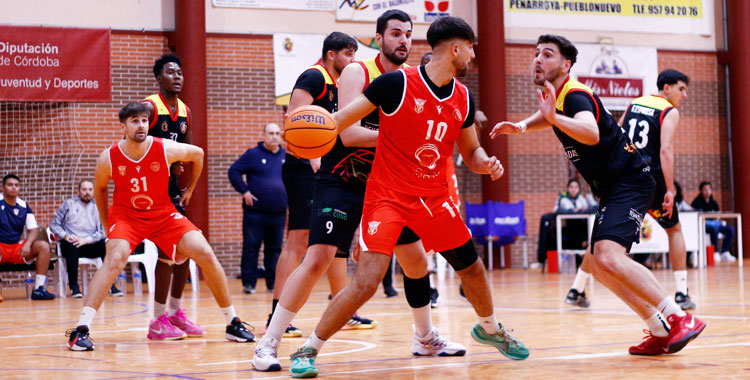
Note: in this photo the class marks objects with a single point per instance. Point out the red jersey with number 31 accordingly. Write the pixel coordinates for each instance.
(416, 140)
(141, 185)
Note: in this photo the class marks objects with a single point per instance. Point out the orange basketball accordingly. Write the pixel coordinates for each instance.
(310, 131)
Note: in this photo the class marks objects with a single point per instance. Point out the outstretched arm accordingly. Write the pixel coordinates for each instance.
(102, 175)
(535, 122)
(187, 153)
(354, 111)
(475, 156)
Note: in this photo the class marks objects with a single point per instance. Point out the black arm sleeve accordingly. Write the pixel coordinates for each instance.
(578, 101)
(386, 91)
(311, 81)
(472, 110)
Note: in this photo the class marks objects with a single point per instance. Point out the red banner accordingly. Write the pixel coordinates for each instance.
(55, 64)
(606, 87)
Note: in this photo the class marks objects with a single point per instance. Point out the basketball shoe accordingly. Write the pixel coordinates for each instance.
(434, 344)
(41, 293)
(238, 332)
(162, 329)
(504, 342)
(180, 321)
(683, 330)
(577, 299)
(683, 300)
(303, 362)
(651, 345)
(265, 355)
(78, 339)
(359, 323)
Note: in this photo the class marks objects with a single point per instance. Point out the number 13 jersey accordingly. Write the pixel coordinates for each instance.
(141, 185)
(417, 134)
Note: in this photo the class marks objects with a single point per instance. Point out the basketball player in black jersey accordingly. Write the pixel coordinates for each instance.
(650, 122)
(169, 118)
(317, 85)
(618, 175)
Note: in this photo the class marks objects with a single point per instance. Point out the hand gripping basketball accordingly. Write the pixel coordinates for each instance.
(310, 131)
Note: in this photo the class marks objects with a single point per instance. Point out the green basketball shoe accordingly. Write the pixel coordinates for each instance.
(303, 362)
(506, 344)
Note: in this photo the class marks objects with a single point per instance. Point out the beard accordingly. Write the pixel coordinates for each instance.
(460, 71)
(550, 76)
(391, 55)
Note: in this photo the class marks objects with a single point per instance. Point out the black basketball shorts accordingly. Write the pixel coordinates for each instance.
(299, 182)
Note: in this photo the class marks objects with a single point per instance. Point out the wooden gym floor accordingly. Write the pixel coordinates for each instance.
(565, 342)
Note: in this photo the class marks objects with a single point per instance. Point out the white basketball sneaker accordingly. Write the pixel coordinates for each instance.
(434, 344)
(265, 355)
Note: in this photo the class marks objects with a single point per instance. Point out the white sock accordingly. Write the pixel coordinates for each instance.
(657, 325)
(314, 342)
(87, 316)
(422, 320)
(40, 280)
(159, 309)
(173, 305)
(667, 306)
(680, 281)
(279, 322)
(582, 278)
(229, 313)
(489, 323)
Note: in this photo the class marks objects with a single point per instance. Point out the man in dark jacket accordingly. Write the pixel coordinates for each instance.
(264, 205)
(705, 202)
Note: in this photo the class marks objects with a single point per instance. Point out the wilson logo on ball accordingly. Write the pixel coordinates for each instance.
(315, 119)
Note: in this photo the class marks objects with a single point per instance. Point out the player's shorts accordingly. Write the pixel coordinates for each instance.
(336, 212)
(622, 208)
(299, 182)
(165, 230)
(11, 253)
(656, 210)
(386, 212)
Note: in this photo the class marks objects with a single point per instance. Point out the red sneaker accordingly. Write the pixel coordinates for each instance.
(683, 330)
(652, 345)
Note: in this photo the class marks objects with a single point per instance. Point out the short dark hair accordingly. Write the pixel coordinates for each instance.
(338, 41)
(130, 110)
(9, 176)
(84, 180)
(704, 183)
(166, 58)
(670, 76)
(573, 180)
(447, 28)
(393, 14)
(567, 49)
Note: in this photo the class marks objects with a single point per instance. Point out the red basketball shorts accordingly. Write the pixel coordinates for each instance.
(435, 219)
(11, 253)
(165, 229)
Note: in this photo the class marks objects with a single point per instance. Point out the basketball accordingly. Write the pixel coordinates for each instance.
(310, 132)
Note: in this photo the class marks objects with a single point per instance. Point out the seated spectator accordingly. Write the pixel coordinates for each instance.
(679, 199)
(576, 235)
(705, 202)
(15, 214)
(76, 223)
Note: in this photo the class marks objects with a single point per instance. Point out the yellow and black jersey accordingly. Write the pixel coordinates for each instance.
(317, 82)
(165, 124)
(613, 156)
(642, 123)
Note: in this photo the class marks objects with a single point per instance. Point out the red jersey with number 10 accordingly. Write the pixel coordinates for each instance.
(416, 140)
(141, 185)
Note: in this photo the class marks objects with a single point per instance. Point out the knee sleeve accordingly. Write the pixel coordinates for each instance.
(417, 291)
(462, 257)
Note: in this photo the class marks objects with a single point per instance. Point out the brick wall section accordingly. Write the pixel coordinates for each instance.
(240, 98)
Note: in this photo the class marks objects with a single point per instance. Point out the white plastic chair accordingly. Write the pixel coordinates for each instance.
(148, 258)
(62, 268)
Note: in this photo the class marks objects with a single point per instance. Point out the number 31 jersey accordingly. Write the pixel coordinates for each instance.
(418, 137)
(141, 186)
(642, 124)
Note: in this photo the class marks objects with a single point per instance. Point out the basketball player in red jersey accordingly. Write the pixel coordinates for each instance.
(430, 112)
(141, 209)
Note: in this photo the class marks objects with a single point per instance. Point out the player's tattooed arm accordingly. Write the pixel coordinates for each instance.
(475, 157)
(186, 153)
(102, 174)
